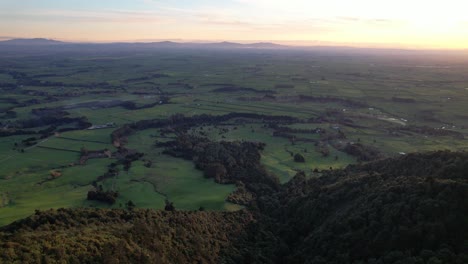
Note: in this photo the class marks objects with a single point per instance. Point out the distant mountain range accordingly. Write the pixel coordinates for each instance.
(31, 45)
(32, 42)
(162, 44)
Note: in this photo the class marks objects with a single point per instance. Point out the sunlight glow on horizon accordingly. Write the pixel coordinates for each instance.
(399, 23)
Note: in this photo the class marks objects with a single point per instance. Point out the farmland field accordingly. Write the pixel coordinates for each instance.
(313, 110)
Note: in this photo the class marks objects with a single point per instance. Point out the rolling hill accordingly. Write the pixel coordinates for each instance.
(411, 209)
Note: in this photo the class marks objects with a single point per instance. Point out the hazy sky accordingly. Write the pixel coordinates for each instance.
(399, 23)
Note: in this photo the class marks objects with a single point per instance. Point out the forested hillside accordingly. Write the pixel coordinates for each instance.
(411, 209)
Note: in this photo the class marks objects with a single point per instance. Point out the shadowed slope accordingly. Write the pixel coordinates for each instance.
(411, 209)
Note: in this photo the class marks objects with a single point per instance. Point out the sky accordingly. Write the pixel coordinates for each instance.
(367, 23)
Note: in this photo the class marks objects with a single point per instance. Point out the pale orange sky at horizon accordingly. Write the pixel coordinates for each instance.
(362, 23)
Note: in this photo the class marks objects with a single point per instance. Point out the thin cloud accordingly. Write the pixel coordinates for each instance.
(376, 21)
(331, 20)
(84, 16)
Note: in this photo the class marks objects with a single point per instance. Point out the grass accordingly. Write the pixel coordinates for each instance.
(176, 179)
(25, 179)
(374, 79)
(73, 145)
(42, 199)
(99, 135)
(276, 156)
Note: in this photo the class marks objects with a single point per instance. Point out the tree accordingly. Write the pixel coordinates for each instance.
(169, 206)
(130, 205)
(84, 151)
(299, 158)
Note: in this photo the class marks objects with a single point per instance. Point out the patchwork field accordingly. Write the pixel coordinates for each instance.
(313, 110)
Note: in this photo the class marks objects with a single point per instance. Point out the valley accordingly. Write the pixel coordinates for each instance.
(73, 122)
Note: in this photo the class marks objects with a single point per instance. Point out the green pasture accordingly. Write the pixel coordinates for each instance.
(277, 154)
(174, 179)
(6, 78)
(98, 135)
(440, 97)
(73, 145)
(24, 204)
(25, 177)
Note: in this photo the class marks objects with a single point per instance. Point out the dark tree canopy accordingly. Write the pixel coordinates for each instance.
(411, 209)
(299, 158)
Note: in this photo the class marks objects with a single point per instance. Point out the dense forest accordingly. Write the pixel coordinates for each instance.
(410, 209)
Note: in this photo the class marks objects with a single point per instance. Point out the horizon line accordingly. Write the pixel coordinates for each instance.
(285, 43)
